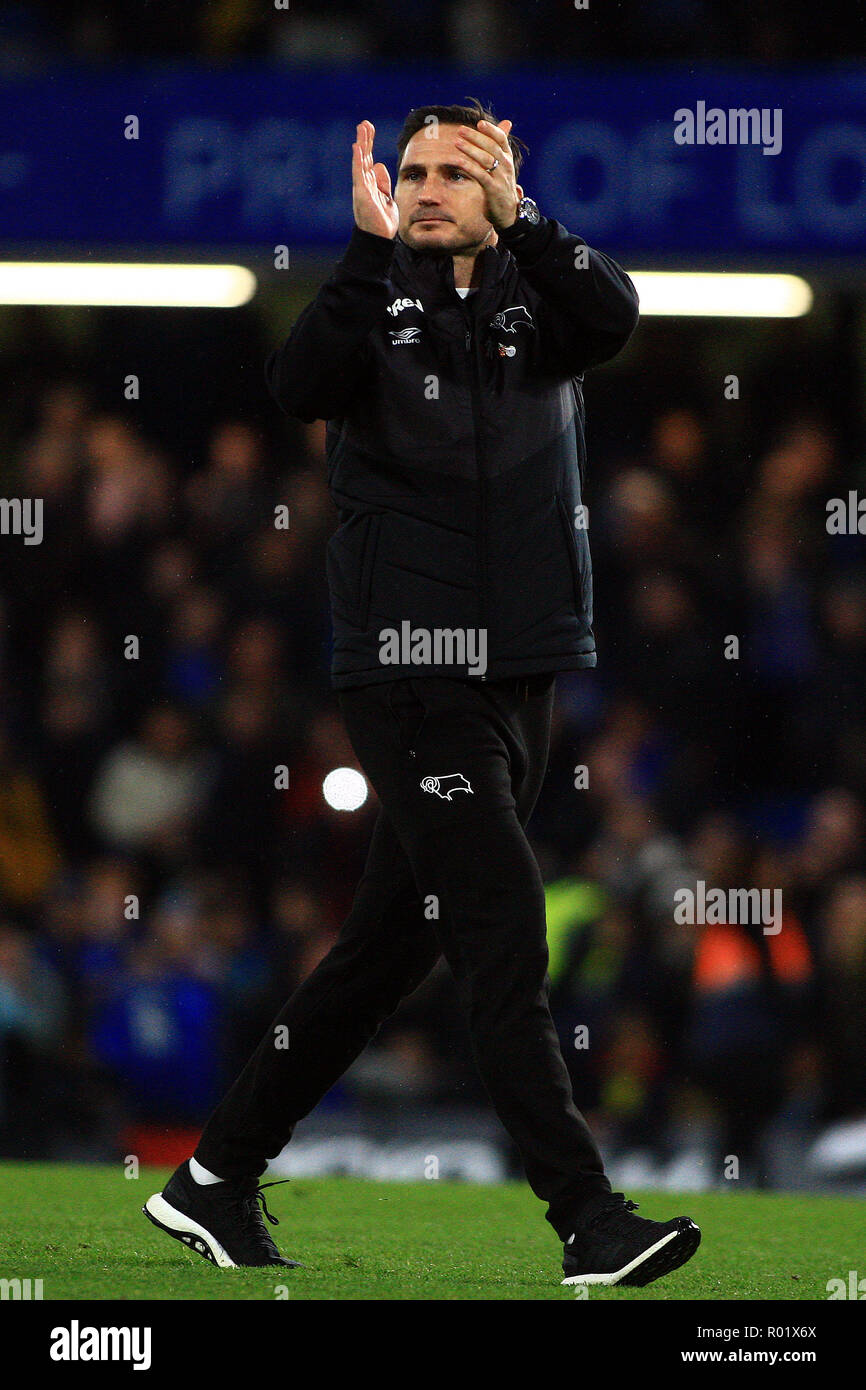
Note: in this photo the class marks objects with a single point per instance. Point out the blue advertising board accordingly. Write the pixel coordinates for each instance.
(658, 161)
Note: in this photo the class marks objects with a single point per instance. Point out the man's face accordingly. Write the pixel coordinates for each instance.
(441, 207)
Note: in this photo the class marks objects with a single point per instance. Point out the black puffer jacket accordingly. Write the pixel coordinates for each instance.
(456, 451)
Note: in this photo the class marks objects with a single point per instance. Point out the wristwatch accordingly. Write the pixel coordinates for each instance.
(527, 216)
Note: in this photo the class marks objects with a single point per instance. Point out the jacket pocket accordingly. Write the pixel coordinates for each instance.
(577, 569)
(367, 568)
(409, 710)
(351, 559)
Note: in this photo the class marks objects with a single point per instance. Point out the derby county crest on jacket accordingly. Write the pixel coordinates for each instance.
(509, 320)
(444, 787)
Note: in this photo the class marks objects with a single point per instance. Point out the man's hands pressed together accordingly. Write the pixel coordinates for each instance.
(456, 187)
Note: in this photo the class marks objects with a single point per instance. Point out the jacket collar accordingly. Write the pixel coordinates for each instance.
(430, 274)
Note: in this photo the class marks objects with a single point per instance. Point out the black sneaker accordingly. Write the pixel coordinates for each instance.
(612, 1246)
(221, 1221)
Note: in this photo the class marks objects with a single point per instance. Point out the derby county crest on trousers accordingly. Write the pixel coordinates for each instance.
(444, 787)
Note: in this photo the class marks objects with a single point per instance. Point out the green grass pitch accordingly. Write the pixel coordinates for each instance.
(80, 1230)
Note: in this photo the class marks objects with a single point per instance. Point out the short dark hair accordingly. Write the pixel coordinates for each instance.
(469, 115)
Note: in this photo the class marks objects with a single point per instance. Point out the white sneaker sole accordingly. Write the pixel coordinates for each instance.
(626, 1269)
(183, 1228)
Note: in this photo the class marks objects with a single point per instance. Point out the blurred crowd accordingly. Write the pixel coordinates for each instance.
(164, 652)
(474, 32)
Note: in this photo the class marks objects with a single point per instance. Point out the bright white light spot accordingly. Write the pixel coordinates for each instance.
(117, 282)
(345, 789)
(722, 295)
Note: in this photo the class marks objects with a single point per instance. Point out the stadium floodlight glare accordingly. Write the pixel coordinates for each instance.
(721, 295)
(344, 789)
(116, 283)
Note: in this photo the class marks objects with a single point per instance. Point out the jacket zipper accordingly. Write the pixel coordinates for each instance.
(477, 424)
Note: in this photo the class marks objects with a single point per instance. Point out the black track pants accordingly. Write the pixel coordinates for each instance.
(457, 766)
